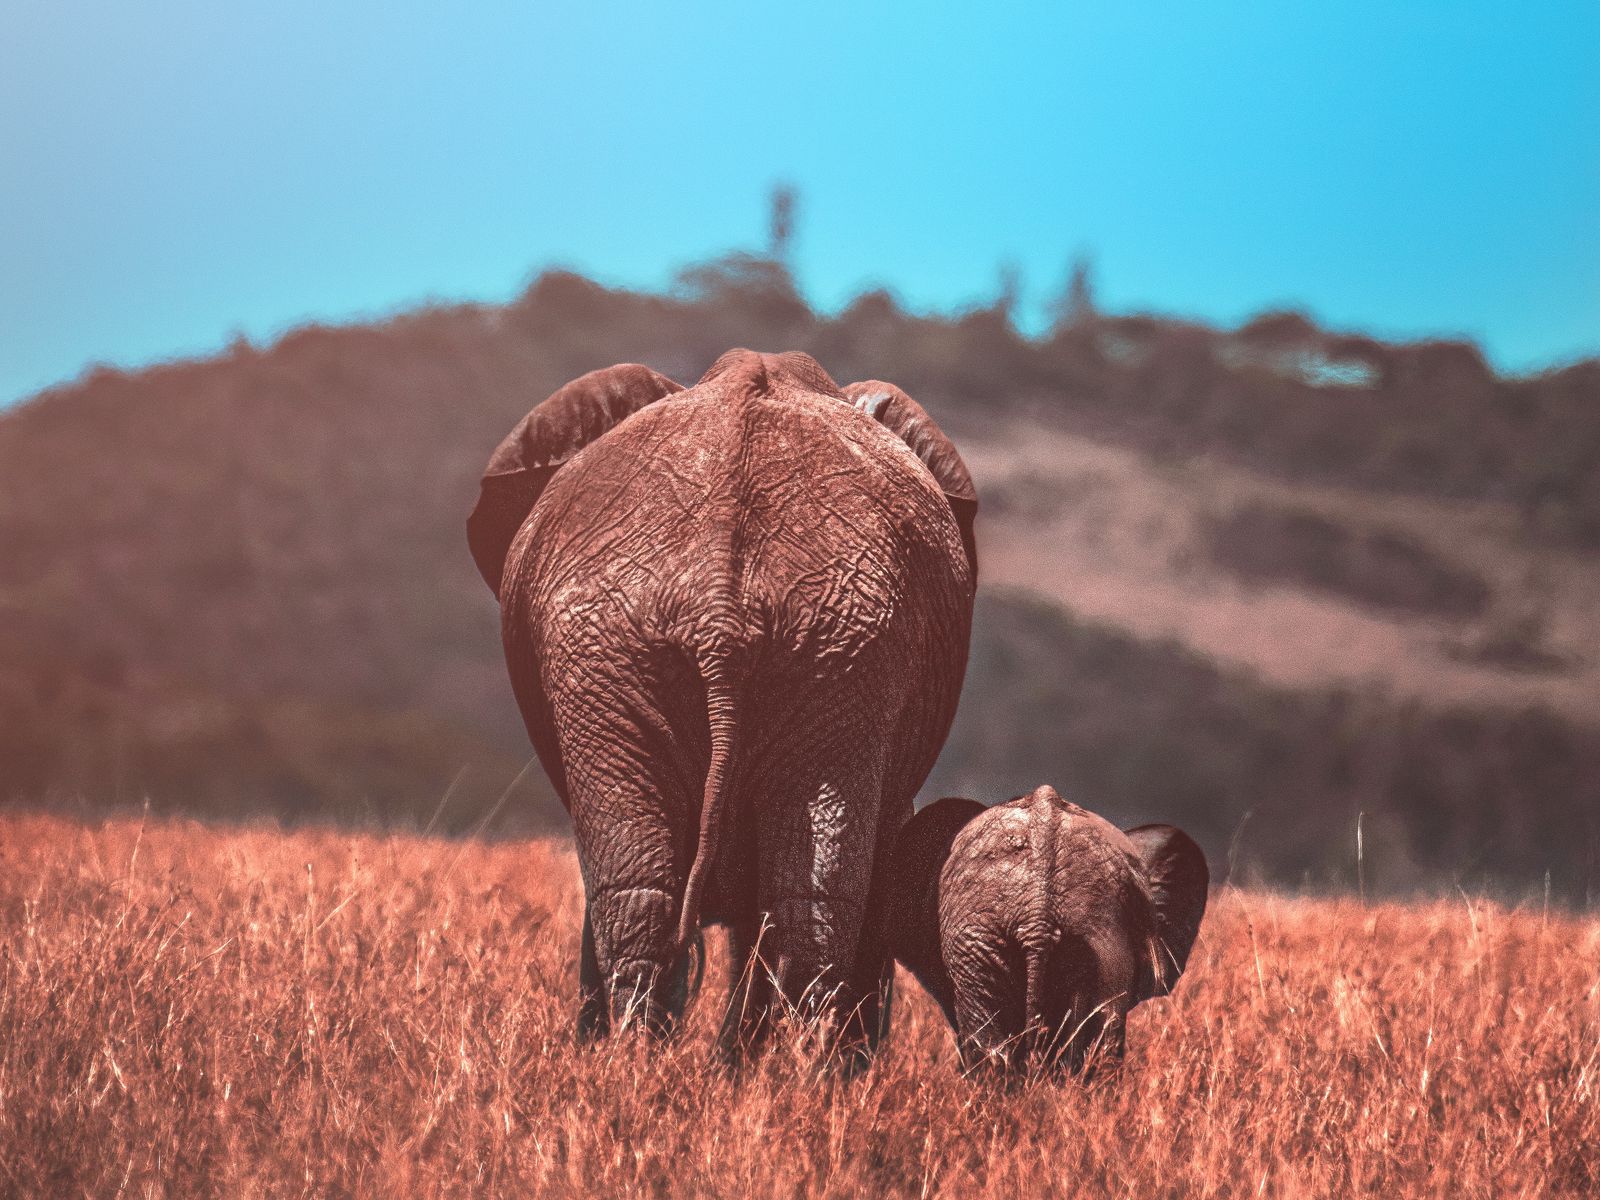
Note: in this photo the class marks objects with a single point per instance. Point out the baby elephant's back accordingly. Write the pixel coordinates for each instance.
(1038, 868)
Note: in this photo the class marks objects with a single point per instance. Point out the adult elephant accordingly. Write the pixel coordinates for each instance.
(736, 621)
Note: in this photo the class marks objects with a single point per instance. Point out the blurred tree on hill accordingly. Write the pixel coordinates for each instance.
(785, 200)
(1075, 308)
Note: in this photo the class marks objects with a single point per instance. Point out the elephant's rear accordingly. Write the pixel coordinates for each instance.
(795, 553)
(850, 680)
(1054, 894)
(769, 589)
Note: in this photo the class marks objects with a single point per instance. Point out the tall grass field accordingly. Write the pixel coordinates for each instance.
(193, 1011)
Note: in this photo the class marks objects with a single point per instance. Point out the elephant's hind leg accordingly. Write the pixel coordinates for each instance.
(632, 973)
(816, 872)
(594, 1011)
(631, 787)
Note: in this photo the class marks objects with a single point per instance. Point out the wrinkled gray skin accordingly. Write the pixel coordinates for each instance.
(1037, 925)
(736, 621)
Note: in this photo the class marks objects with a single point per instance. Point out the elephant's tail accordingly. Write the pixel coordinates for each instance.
(1033, 1025)
(1041, 935)
(720, 717)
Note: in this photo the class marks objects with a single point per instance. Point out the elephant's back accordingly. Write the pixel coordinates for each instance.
(1033, 859)
(811, 519)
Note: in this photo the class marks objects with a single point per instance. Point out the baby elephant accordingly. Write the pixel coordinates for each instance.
(1037, 925)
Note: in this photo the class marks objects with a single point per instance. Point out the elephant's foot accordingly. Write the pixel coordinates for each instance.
(594, 1023)
(1081, 1050)
(594, 1019)
(866, 1024)
(1093, 1048)
(647, 996)
(798, 968)
(747, 1022)
(831, 1019)
(632, 974)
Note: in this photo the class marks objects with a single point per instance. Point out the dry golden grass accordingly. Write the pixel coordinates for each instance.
(186, 1011)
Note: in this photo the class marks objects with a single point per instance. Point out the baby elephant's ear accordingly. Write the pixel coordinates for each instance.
(930, 830)
(1179, 880)
(920, 851)
(547, 437)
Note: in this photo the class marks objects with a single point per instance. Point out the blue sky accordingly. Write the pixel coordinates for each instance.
(172, 173)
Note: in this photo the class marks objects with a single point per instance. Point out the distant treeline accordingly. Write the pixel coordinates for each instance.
(1279, 393)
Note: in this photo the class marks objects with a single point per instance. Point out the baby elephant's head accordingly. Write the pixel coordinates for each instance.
(1038, 925)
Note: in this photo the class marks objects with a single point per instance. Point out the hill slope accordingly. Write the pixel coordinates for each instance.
(1364, 555)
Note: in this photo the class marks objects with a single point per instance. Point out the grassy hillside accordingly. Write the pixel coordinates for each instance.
(1273, 779)
(241, 586)
(191, 1012)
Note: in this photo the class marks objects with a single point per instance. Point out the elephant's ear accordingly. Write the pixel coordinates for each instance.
(543, 440)
(929, 832)
(1179, 880)
(910, 422)
(909, 914)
